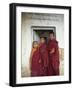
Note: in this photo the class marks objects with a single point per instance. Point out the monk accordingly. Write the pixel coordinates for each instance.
(36, 62)
(44, 55)
(53, 53)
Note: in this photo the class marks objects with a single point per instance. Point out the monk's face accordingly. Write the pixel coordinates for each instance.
(51, 36)
(42, 40)
(35, 45)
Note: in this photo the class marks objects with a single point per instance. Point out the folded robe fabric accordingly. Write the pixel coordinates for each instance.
(53, 67)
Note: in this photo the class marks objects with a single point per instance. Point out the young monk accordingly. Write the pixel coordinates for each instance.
(53, 53)
(44, 55)
(36, 62)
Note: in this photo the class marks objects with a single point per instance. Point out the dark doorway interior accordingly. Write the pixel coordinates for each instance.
(42, 33)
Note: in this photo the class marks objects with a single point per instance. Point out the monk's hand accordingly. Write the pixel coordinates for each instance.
(40, 61)
(52, 51)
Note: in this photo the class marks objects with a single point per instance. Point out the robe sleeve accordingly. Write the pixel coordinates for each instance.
(56, 57)
(46, 61)
(45, 57)
(57, 51)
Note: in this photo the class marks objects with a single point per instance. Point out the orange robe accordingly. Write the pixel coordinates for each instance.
(53, 52)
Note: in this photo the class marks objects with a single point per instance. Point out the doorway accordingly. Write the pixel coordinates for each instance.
(42, 32)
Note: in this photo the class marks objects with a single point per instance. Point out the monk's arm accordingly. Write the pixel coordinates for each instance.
(54, 49)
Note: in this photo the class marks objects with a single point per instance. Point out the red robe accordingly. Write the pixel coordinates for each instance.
(36, 63)
(44, 57)
(53, 68)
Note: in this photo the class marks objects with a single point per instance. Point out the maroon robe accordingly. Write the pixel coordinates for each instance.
(44, 57)
(36, 64)
(53, 68)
